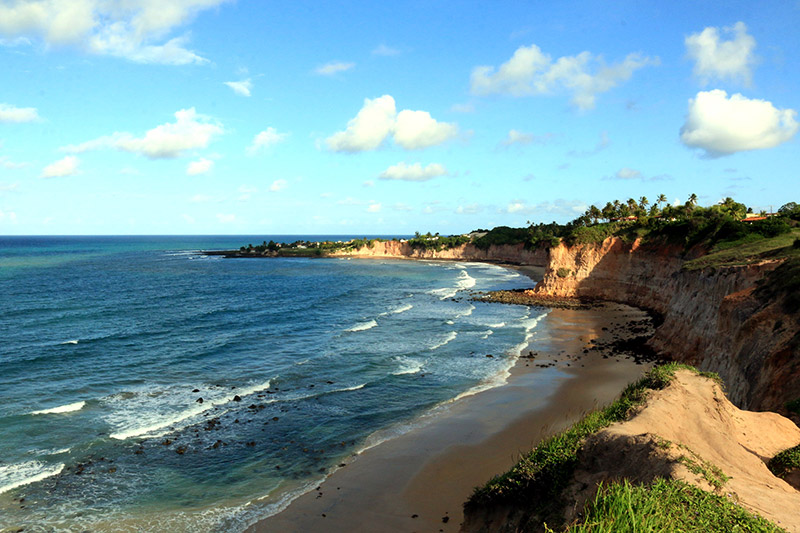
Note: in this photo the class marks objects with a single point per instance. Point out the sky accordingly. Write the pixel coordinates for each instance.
(255, 117)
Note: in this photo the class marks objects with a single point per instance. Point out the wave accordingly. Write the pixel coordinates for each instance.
(486, 334)
(495, 326)
(468, 312)
(444, 293)
(450, 337)
(528, 325)
(407, 366)
(69, 342)
(69, 408)
(465, 281)
(170, 419)
(19, 474)
(401, 309)
(363, 326)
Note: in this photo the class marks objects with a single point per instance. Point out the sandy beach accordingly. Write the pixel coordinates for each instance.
(420, 480)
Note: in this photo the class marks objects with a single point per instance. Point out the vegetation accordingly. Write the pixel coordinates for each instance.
(437, 242)
(665, 505)
(785, 461)
(540, 476)
(563, 272)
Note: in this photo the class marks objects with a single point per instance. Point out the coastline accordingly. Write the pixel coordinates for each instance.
(420, 479)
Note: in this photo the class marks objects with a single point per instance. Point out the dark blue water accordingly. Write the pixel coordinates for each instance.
(108, 345)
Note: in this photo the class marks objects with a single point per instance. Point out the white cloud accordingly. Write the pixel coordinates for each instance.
(349, 201)
(334, 67)
(414, 130)
(201, 166)
(10, 113)
(265, 139)
(378, 119)
(67, 166)
(470, 209)
(368, 129)
(369, 183)
(8, 187)
(11, 216)
(242, 88)
(188, 218)
(463, 108)
(720, 125)
(531, 72)
(723, 60)
(374, 208)
(558, 207)
(224, 218)
(278, 185)
(5, 162)
(626, 173)
(413, 172)
(189, 131)
(399, 206)
(133, 29)
(383, 50)
(200, 198)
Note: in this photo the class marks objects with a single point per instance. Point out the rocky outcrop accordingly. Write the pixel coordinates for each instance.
(711, 317)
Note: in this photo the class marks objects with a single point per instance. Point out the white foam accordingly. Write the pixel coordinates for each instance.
(69, 408)
(407, 366)
(468, 312)
(444, 293)
(162, 421)
(363, 326)
(486, 334)
(401, 309)
(465, 281)
(348, 389)
(19, 474)
(450, 337)
(495, 326)
(70, 342)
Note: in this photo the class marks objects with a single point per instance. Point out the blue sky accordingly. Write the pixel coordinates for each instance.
(236, 117)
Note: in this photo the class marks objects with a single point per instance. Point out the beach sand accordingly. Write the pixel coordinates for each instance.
(420, 480)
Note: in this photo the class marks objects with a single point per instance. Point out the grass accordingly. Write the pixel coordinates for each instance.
(785, 461)
(698, 466)
(540, 476)
(749, 249)
(665, 505)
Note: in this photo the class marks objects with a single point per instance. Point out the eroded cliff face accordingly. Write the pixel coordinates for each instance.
(711, 318)
(516, 254)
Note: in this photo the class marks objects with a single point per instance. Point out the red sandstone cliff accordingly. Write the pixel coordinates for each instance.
(506, 253)
(711, 318)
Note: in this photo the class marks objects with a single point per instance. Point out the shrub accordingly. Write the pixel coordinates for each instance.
(563, 272)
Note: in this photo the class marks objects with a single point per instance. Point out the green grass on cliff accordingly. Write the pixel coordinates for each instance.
(785, 461)
(540, 476)
(665, 505)
(749, 249)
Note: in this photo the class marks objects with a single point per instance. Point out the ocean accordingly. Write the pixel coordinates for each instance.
(147, 387)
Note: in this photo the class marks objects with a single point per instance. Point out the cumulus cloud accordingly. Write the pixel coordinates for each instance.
(278, 185)
(470, 209)
(265, 139)
(721, 126)
(374, 208)
(378, 119)
(189, 131)
(414, 172)
(63, 167)
(224, 218)
(333, 67)
(201, 166)
(714, 58)
(10, 113)
(137, 30)
(414, 130)
(242, 88)
(531, 72)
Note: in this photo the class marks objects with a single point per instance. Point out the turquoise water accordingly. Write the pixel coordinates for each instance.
(109, 343)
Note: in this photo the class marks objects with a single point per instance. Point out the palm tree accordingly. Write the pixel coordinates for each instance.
(693, 199)
(643, 203)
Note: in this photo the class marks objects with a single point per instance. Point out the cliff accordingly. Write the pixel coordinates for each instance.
(711, 317)
(509, 253)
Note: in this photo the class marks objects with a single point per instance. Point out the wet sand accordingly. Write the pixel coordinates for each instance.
(420, 480)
